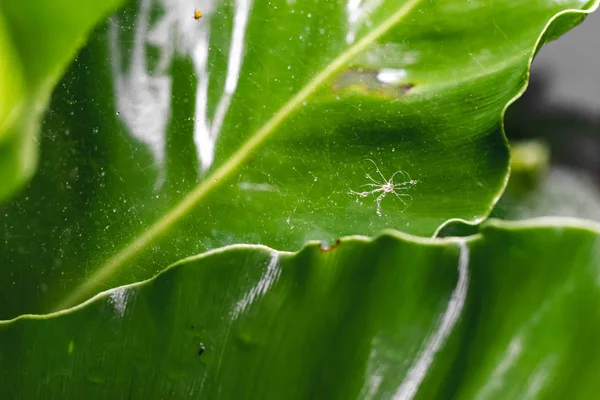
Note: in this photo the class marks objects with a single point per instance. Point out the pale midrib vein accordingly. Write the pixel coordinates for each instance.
(227, 168)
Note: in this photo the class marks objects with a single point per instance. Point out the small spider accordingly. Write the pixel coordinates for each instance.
(197, 14)
(388, 186)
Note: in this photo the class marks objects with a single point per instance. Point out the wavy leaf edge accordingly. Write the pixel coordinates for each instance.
(592, 6)
(576, 224)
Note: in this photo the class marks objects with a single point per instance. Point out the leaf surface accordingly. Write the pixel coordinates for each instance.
(507, 314)
(266, 122)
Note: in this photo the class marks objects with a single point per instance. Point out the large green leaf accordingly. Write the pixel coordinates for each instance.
(508, 314)
(327, 93)
(38, 39)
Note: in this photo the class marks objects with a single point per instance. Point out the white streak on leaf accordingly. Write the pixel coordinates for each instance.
(419, 369)
(143, 96)
(539, 377)
(269, 277)
(119, 298)
(142, 100)
(357, 14)
(375, 373)
(496, 381)
(236, 55)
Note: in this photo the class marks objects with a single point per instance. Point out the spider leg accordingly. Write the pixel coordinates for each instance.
(400, 197)
(377, 169)
(365, 194)
(370, 185)
(402, 186)
(378, 200)
(372, 180)
(369, 177)
(404, 174)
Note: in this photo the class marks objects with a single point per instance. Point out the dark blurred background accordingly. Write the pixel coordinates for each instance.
(561, 108)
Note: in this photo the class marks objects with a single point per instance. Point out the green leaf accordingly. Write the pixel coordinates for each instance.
(38, 39)
(507, 314)
(325, 96)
